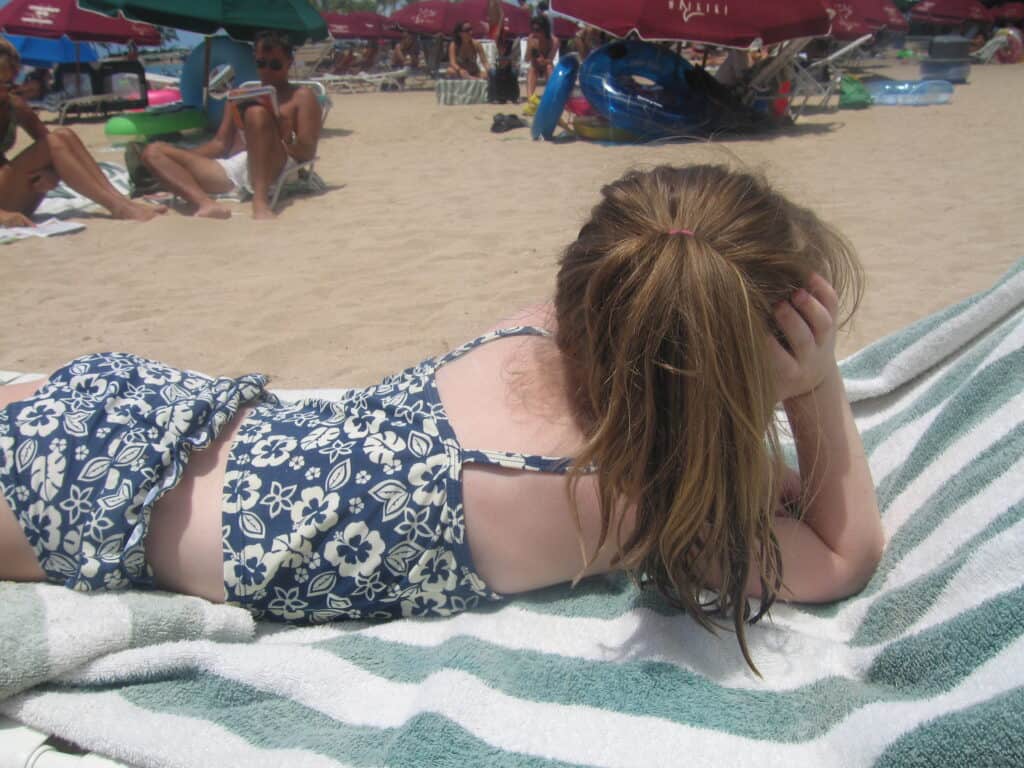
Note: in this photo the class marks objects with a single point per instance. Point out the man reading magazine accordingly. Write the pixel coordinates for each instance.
(261, 133)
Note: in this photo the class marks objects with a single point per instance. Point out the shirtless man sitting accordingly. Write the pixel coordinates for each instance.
(249, 157)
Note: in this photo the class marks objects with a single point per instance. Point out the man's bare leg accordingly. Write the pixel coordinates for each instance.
(17, 558)
(191, 176)
(267, 157)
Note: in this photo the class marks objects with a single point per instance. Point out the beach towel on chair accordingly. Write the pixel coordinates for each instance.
(925, 667)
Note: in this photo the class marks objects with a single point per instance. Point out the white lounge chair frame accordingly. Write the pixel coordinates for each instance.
(988, 51)
(821, 79)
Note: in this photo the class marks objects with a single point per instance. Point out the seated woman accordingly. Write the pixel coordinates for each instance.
(541, 48)
(406, 52)
(36, 85)
(466, 57)
(55, 156)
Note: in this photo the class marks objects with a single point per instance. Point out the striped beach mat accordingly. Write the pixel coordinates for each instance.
(925, 667)
(461, 91)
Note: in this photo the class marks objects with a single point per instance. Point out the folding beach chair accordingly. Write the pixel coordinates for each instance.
(990, 50)
(820, 79)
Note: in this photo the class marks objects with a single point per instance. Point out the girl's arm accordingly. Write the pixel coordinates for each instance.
(28, 119)
(834, 548)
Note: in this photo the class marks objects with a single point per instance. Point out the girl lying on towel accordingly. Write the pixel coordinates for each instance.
(631, 425)
(57, 155)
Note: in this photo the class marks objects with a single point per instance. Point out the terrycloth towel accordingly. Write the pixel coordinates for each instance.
(924, 668)
(63, 200)
(47, 630)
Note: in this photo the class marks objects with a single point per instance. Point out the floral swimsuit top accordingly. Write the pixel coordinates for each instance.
(353, 508)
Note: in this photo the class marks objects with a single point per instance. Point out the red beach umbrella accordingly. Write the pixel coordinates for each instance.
(361, 24)
(56, 18)
(737, 23)
(856, 18)
(949, 11)
(1008, 12)
(437, 17)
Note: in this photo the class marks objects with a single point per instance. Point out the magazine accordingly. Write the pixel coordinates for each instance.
(239, 98)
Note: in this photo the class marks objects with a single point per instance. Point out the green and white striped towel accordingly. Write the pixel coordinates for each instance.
(924, 668)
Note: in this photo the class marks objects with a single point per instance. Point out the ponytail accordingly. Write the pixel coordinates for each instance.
(663, 305)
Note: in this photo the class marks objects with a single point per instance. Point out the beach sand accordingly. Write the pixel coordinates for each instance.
(434, 228)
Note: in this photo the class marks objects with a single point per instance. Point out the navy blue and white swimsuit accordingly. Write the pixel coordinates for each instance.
(350, 508)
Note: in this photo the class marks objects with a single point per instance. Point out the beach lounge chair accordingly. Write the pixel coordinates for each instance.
(989, 50)
(307, 59)
(104, 87)
(820, 80)
(386, 80)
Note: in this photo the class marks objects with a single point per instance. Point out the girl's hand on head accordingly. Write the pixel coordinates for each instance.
(807, 322)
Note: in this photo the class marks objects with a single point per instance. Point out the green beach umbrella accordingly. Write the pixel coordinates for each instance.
(242, 19)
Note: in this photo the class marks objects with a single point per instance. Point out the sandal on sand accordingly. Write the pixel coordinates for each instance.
(504, 123)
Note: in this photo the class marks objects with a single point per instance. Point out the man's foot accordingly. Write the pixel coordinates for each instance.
(138, 211)
(213, 211)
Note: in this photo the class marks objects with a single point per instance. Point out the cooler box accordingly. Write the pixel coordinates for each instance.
(949, 58)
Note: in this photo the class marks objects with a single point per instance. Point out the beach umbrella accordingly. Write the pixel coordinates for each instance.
(856, 18)
(437, 17)
(737, 23)
(949, 11)
(361, 24)
(242, 19)
(45, 51)
(1008, 12)
(60, 18)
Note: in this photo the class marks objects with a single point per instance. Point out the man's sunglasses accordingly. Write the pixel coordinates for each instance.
(275, 64)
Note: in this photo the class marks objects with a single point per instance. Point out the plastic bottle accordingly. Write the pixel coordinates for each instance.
(915, 93)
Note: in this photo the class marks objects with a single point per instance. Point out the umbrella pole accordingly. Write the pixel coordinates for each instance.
(206, 70)
(78, 69)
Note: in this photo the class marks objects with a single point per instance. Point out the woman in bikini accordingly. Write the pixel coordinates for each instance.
(55, 156)
(466, 57)
(541, 47)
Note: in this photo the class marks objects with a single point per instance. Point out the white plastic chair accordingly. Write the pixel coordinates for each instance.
(988, 51)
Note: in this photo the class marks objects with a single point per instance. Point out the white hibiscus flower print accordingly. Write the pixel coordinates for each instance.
(158, 374)
(241, 491)
(273, 451)
(356, 550)
(41, 525)
(279, 498)
(363, 423)
(429, 479)
(435, 571)
(40, 418)
(418, 603)
(252, 430)
(125, 410)
(317, 510)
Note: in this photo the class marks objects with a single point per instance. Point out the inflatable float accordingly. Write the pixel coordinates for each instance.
(223, 52)
(597, 128)
(159, 121)
(644, 89)
(556, 94)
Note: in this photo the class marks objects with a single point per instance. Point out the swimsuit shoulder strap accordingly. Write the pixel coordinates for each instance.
(507, 459)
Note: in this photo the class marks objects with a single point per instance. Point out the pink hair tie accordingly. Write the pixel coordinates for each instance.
(681, 232)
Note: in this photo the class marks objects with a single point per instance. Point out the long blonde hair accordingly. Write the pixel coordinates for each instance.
(664, 334)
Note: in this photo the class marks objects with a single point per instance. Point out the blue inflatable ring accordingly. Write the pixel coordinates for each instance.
(663, 105)
(556, 93)
(223, 50)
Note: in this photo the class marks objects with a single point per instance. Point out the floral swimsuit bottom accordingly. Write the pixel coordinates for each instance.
(350, 508)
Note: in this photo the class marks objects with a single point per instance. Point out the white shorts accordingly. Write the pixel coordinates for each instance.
(236, 168)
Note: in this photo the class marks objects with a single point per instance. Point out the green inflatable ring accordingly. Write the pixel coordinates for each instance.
(155, 122)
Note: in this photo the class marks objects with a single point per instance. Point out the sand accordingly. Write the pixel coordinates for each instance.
(434, 228)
